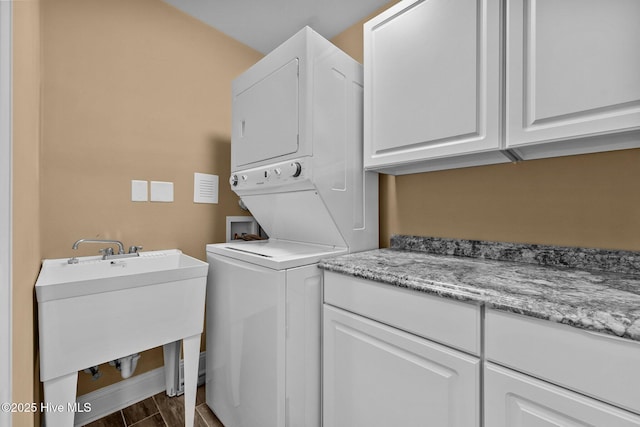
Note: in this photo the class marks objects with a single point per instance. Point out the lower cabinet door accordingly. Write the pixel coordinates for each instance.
(516, 400)
(376, 375)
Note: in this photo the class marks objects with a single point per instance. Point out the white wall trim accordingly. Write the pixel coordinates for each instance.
(6, 103)
(115, 397)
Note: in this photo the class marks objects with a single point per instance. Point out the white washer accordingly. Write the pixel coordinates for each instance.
(296, 162)
(263, 318)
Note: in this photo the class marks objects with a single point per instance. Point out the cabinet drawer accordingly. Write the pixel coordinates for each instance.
(602, 366)
(516, 400)
(449, 322)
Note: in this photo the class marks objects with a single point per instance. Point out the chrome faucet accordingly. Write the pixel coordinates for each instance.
(117, 242)
(107, 253)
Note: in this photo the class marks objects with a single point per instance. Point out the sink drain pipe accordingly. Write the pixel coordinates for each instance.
(126, 365)
(95, 373)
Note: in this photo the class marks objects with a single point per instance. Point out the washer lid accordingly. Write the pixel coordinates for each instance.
(275, 254)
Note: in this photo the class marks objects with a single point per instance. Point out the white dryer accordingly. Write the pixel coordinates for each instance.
(296, 161)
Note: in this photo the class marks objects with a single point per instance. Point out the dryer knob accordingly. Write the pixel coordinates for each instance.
(233, 180)
(297, 169)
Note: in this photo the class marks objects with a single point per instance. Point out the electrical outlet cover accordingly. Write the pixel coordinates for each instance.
(139, 191)
(161, 191)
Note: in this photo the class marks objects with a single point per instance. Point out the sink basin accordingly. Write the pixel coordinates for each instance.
(99, 310)
(59, 279)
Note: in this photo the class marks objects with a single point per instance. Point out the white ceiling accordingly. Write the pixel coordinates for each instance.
(264, 24)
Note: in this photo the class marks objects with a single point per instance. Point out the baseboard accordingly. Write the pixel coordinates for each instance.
(115, 397)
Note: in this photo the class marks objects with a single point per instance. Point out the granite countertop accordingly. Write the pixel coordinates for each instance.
(545, 282)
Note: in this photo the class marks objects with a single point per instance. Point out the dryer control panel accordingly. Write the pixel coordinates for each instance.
(271, 176)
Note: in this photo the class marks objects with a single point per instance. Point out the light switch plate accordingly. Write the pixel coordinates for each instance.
(205, 188)
(139, 192)
(161, 191)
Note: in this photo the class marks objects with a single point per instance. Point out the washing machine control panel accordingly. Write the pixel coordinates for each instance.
(274, 175)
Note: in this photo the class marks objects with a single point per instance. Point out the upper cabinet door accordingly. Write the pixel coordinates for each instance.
(573, 71)
(432, 82)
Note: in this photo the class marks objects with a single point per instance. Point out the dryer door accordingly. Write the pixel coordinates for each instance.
(265, 118)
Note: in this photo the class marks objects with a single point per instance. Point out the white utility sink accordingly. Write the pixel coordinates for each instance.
(97, 310)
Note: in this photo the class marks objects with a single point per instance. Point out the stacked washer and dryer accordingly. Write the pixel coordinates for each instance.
(296, 161)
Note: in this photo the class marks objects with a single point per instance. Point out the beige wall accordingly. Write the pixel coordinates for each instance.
(26, 207)
(590, 200)
(133, 90)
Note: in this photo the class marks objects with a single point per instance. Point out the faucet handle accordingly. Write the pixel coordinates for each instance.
(106, 252)
(134, 249)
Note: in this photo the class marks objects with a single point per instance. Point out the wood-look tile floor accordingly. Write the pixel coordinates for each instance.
(160, 411)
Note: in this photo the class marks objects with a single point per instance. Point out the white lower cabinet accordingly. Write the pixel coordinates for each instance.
(391, 357)
(516, 400)
(377, 375)
(601, 366)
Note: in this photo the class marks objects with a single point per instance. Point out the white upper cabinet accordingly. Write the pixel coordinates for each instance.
(573, 76)
(432, 86)
(456, 83)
